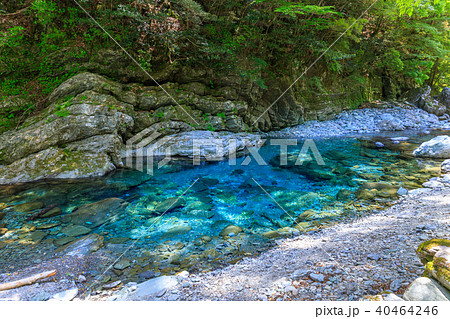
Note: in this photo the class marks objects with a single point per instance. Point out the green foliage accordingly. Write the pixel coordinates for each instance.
(44, 42)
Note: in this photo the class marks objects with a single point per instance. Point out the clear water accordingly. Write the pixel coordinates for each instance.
(222, 195)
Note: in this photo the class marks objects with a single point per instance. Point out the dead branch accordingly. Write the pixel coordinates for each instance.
(27, 281)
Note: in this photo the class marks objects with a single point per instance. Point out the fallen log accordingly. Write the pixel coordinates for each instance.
(41, 212)
(27, 281)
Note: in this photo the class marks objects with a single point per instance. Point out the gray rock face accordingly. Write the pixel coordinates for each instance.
(438, 147)
(422, 99)
(205, 145)
(426, 289)
(444, 97)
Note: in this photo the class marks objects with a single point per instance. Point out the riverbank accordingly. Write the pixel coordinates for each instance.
(381, 117)
(344, 262)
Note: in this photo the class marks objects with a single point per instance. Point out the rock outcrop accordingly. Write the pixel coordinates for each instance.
(84, 130)
(422, 98)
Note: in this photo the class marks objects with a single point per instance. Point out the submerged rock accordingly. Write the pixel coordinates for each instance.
(176, 231)
(75, 230)
(438, 147)
(122, 264)
(82, 246)
(28, 207)
(98, 213)
(169, 205)
(231, 229)
(52, 212)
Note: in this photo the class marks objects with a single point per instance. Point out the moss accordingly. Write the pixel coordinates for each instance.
(423, 251)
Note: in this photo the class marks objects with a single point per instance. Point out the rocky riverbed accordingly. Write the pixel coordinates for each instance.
(346, 262)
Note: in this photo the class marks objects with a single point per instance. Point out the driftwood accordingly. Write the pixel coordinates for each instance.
(41, 212)
(27, 281)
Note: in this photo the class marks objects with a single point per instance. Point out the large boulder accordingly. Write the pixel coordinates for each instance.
(435, 255)
(438, 147)
(55, 163)
(204, 145)
(426, 289)
(150, 289)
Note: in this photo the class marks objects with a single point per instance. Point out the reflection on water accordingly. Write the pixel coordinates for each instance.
(195, 233)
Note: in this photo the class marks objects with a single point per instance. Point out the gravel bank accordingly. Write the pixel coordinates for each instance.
(388, 117)
(344, 262)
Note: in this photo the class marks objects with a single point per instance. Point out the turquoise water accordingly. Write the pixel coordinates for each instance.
(188, 236)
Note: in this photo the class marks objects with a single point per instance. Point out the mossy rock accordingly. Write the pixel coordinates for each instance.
(435, 255)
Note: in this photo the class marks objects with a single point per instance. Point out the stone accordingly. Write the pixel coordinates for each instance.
(402, 191)
(317, 277)
(67, 295)
(444, 97)
(379, 144)
(388, 122)
(426, 289)
(152, 289)
(52, 212)
(98, 213)
(438, 147)
(435, 255)
(176, 231)
(392, 297)
(82, 246)
(170, 204)
(364, 194)
(112, 284)
(28, 207)
(230, 229)
(445, 166)
(147, 274)
(306, 215)
(343, 195)
(75, 230)
(433, 184)
(300, 273)
(122, 264)
(201, 213)
(47, 226)
(63, 240)
(395, 285)
(373, 256)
